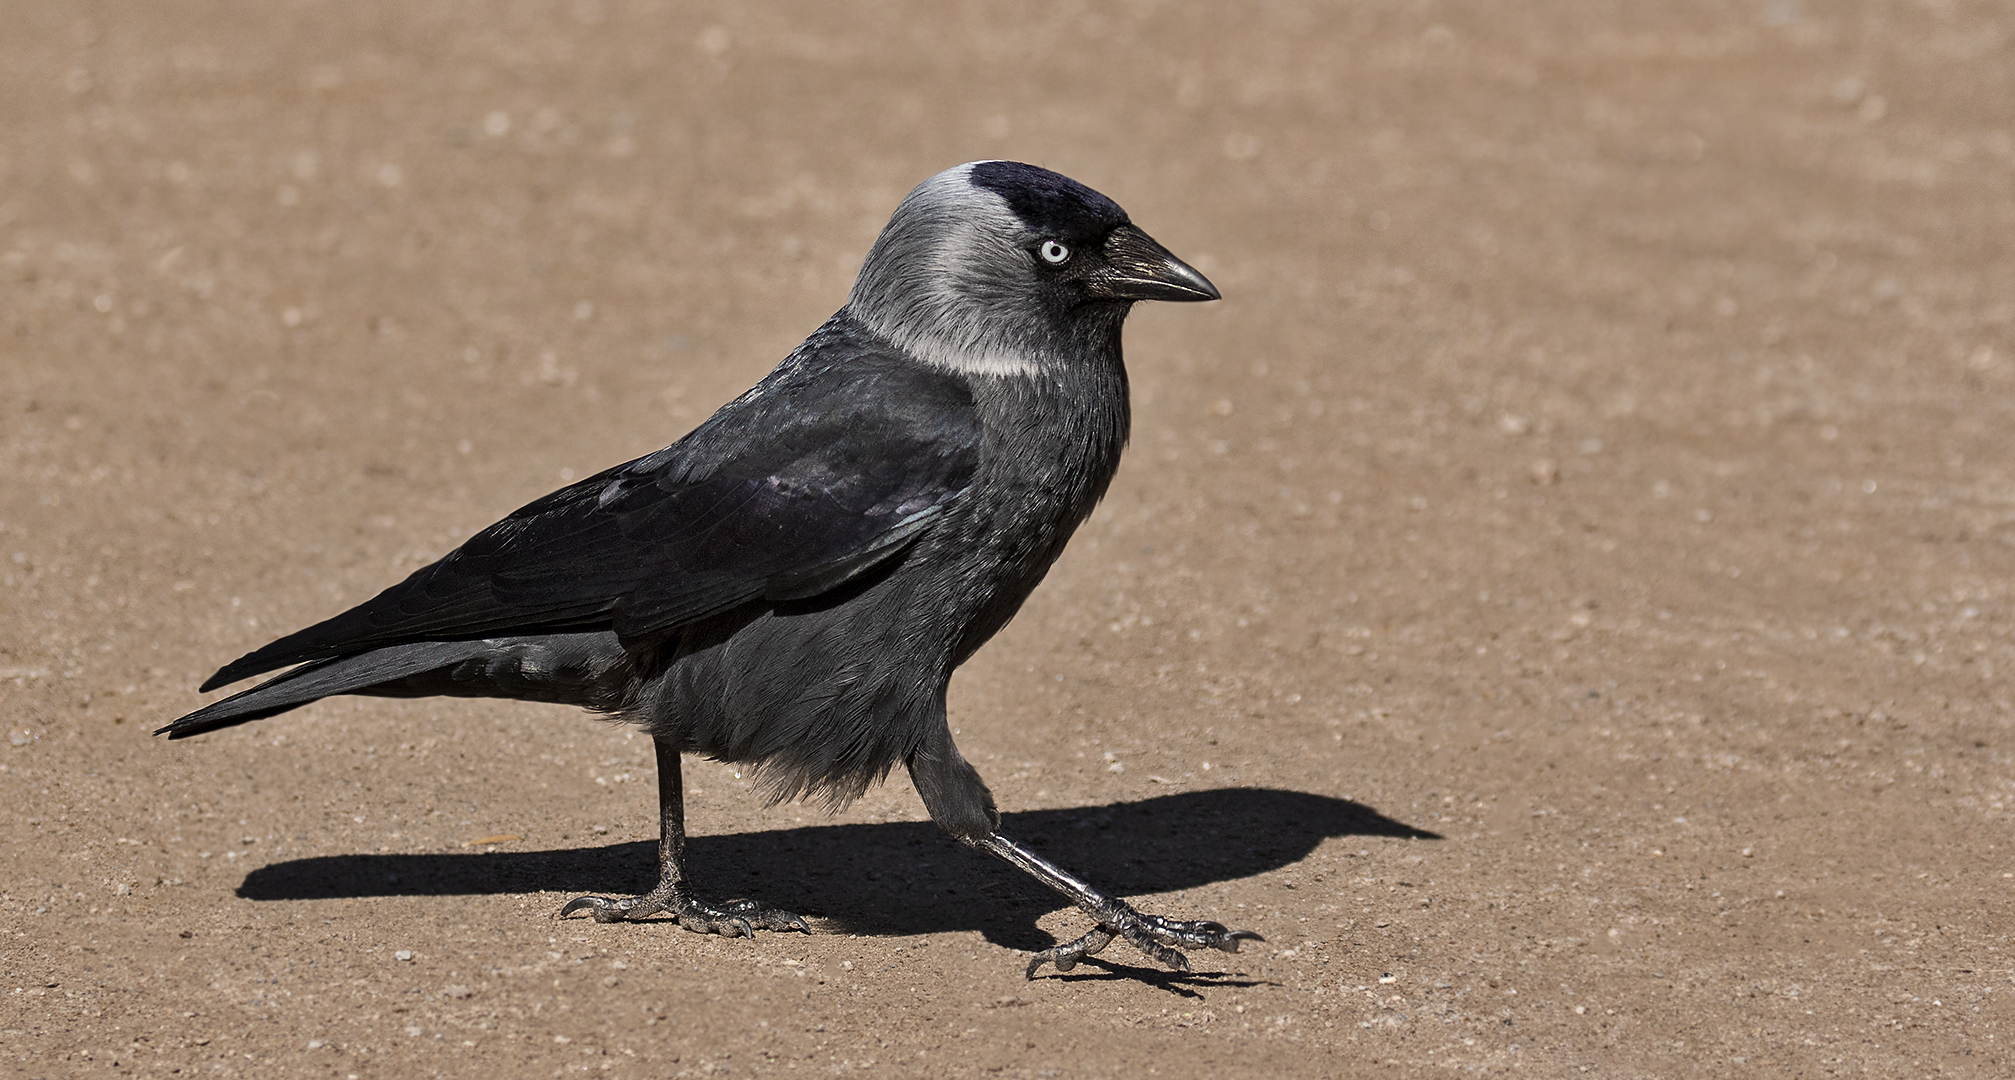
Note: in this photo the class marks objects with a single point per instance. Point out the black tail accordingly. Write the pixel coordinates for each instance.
(565, 669)
(324, 678)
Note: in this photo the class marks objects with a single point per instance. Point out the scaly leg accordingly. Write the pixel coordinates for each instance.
(673, 896)
(1159, 937)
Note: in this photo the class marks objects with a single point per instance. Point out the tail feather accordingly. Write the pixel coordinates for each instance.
(323, 678)
(582, 669)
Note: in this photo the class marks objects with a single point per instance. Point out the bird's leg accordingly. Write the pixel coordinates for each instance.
(961, 805)
(673, 896)
(1159, 937)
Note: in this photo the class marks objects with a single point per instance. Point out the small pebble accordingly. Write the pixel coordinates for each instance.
(403, 954)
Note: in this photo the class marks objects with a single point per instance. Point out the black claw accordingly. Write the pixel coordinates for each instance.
(605, 910)
(1066, 956)
(1230, 942)
(1169, 958)
(1061, 958)
(765, 917)
(692, 914)
(601, 907)
(1161, 938)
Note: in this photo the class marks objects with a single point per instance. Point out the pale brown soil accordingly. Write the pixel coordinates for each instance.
(1580, 544)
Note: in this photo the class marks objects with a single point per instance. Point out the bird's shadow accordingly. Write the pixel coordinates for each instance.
(898, 877)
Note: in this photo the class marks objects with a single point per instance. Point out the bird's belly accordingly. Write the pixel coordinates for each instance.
(826, 699)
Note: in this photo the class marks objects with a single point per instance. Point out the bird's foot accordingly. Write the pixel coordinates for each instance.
(736, 918)
(1162, 938)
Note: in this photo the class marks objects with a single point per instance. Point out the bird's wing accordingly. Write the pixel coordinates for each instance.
(815, 476)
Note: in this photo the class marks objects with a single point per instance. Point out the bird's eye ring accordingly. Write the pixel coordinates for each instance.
(1053, 253)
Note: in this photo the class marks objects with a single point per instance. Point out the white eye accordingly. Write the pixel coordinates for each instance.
(1053, 253)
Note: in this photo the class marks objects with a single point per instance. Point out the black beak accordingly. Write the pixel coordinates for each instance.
(1137, 268)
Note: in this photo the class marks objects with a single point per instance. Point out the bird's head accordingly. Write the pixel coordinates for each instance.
(1001, 268)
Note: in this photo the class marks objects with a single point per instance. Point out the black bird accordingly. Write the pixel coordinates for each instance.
(791, 585)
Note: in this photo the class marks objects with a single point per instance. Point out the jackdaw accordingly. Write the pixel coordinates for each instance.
(791, 585)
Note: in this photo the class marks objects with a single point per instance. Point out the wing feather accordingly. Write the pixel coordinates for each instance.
(839, 459)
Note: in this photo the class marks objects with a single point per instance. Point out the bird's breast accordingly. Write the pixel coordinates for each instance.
(1048, 453)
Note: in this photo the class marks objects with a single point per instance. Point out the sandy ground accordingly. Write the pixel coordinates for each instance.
(1561, 596)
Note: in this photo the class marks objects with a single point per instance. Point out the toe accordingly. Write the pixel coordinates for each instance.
(738, 919)
(701, 920)
(764, 917)
(1063, 958)
(781, 920)
(1170, 958)
(1066, 956)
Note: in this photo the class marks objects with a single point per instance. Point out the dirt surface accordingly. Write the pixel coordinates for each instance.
(1561, 596)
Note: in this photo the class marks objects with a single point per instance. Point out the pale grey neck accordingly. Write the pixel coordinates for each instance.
(933, 284)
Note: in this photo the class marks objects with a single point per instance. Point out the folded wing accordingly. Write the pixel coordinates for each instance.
(838, 460)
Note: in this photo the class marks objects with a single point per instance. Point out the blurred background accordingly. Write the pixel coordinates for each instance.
(1598, 461)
